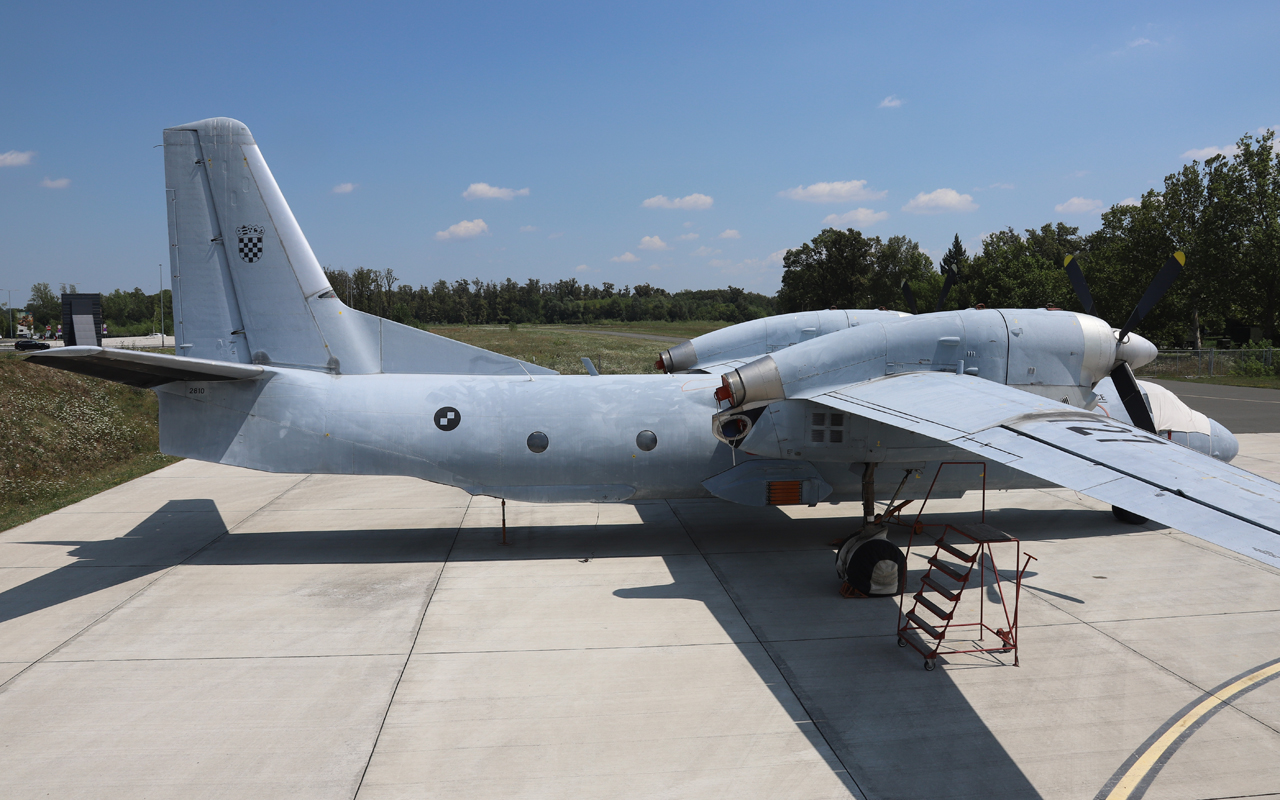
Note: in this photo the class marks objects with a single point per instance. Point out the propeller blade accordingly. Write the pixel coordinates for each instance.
(1159, 285)
(911, 298)
(1072, 265)
(1131, 396)
(946, 288)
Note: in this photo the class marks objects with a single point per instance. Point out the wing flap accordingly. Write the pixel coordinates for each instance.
(144, 370)
(1108, 460)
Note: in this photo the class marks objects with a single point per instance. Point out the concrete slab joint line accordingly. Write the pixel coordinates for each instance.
(159, 575)
(780, 664)
(431, 593)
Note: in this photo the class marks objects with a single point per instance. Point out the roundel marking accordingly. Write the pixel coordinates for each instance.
(448, 418)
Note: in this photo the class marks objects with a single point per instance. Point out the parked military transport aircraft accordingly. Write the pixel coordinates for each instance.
(274, 373)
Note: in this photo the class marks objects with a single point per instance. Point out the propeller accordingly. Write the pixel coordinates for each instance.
(1072, 265)
(946, 287)
(911, 297)
(1122, 374)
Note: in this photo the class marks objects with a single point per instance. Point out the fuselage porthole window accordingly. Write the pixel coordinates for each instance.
(646, 440)
(538, 442)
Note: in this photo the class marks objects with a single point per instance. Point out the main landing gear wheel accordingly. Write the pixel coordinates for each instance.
(874, 568)
(1128, 516)
(902, 642)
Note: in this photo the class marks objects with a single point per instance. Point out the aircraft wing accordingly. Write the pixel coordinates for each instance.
(1105, 459)
(145, 370)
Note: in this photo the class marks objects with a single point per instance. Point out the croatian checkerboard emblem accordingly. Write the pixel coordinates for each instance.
(250, 242)
(448, 418)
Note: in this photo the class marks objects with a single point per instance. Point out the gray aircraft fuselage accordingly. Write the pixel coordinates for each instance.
(473, 431)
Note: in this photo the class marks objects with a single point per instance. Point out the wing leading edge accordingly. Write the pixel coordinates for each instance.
(1102, 458)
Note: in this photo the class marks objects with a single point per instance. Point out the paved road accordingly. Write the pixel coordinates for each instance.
(1241, 408)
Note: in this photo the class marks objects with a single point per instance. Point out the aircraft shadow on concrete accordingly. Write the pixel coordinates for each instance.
(871, 704)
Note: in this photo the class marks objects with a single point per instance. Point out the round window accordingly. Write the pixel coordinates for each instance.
(538, 441)
(646, 440)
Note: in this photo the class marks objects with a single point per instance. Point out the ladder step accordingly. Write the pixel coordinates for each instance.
(956, 553)
(948, 570)
(947, 593)
(933, 608)
(924, 626)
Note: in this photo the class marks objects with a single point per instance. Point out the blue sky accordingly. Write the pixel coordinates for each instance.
(922, 119)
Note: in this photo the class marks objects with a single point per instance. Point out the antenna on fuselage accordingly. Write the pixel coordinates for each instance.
(911, 298)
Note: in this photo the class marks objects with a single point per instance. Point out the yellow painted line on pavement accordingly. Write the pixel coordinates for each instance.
(1138, 770)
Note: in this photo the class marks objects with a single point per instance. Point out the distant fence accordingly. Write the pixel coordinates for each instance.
(1200, 363)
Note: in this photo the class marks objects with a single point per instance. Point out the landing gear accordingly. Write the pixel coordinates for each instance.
(929, 665)
(872, 567)
(1128, 516)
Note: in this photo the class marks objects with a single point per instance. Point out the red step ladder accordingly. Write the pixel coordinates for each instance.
(934, 606)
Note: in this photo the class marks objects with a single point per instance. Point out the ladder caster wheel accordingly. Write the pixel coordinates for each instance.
(928, 665)
(902, 642)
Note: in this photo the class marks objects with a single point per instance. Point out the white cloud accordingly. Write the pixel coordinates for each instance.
(730, 234)
(1000, 186)
(686, 237)
(13, 158)
(1206, 153)
(1079, 205)
(688, 224)
(832, 192)
(1140, 42)
(483, 191)
(751, 266)
(463, 230)
(555, 235)
(940, 201)
(344, 188)
(55, 183)
(1080, 173)
(890, 102)
(704, 251)
(720, 263)
(655, 267)
(528, 228)
(653, 243)
(1130, 201)
(582, 268)
(693, 202)
(626, 257)
(858, 216)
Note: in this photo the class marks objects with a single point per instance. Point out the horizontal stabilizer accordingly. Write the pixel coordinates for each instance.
(144, 370)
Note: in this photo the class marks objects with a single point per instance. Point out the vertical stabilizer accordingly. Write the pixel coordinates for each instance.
(247, 288)
(241, 266)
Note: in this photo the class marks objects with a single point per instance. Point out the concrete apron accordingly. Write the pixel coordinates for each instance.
(210, 632)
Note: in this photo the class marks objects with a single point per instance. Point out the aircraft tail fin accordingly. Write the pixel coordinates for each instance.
(248, 288)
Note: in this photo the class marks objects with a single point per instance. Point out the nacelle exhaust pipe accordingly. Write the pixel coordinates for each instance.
(680, 357)
(757, 382)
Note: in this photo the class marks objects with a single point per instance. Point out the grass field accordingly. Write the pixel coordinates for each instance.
(65, 437)
(561, 347)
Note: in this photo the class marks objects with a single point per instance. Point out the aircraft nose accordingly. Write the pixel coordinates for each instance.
(1136, 350)
(1223, 444)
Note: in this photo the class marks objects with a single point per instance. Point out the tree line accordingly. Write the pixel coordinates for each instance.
(477, 302)
(1223, 213)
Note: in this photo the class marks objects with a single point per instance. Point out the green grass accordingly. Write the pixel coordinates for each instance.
(560, 347)
(685, 330)
(65, 437)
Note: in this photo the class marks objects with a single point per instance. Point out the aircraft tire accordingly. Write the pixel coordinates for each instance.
(1128, 516)
(870, 557)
